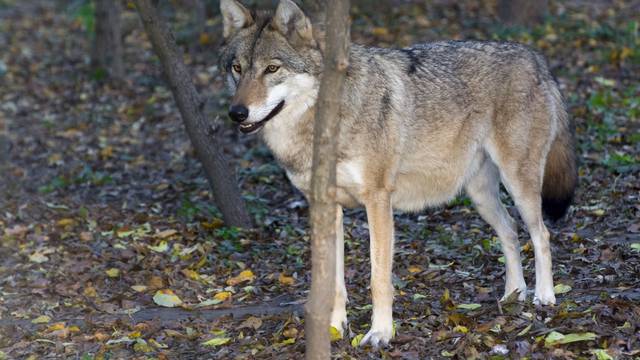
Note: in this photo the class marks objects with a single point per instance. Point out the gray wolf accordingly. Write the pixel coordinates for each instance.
(417, 126)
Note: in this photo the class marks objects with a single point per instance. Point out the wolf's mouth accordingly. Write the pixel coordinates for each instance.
(253, 127)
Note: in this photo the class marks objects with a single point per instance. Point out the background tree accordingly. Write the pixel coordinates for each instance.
(217, 169)
(323, 206)
(107, 46)
(522, 12)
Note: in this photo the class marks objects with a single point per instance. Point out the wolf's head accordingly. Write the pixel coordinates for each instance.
(272, 63)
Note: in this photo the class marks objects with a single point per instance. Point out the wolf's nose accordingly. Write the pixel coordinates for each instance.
(238, 113)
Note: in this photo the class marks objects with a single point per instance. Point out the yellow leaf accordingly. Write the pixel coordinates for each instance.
(355, 342)
(113, 272)
(166, 298)
(42, 319)
(107, 152)
(222, 296)
(139, 288)
(65, 222)
(290, 332)
(57, 326)
(246, 275)
(73, 328)
(161, 247)
(285, 280)
(414, 269)
(380, 31)
(461, 329)
(334, 334)
(135, 335)
(90, 291)
(191, 274)
(216, 341)
(215, 223)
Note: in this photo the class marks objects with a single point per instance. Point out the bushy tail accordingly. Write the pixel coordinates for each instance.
(561, 170)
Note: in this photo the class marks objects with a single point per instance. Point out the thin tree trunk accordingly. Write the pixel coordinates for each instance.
(522, 12)
(217, 169)
(323, 181)
(107, 46)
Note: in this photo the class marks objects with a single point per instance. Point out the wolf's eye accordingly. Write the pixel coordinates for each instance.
(272, 68)
(237, 68)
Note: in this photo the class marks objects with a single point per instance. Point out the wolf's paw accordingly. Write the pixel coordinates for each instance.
(339, 320)
(544, 297)
(377, 337)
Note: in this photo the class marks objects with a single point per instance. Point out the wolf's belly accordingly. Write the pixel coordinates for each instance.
(423, 185)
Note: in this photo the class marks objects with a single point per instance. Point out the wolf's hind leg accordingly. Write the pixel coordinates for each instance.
(484, 190)
(525, 189)
(339, 312)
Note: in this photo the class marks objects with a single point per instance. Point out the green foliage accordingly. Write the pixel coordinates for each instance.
(84, 11)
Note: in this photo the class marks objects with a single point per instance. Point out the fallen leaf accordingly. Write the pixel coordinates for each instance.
(156, 282)
(251, 322)
(57, 326)
(193, 275)
(42, 319)
(166, 298)
(163, 246)
(601, 354)
(217, 341)
(285, 280)
(139, 288)
(290, 332)
(355, 342)
(246, 275)
(414, 269)
(113, 272)
(90, 291)
(38, 257)
(334, 334)
(561, 289)
(65, 222)
(556, 338)
(469, 306)
(222, 296)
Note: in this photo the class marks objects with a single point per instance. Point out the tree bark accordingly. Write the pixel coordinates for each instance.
(221, 176)
(522, 12)
(107, 46)
(323, 181)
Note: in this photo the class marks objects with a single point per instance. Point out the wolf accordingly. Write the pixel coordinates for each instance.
(418, 125)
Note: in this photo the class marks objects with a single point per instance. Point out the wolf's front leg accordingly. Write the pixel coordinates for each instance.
(380, 218)
(339, 312)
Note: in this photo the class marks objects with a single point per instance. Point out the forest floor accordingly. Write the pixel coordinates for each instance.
(105, 214)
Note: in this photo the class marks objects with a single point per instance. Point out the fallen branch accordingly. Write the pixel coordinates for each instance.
(163, 316)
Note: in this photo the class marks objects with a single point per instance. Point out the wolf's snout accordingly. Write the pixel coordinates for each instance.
(238, 113)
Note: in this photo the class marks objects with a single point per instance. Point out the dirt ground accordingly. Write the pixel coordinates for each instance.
(105, 214)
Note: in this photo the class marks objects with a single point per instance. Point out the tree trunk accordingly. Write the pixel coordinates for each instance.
(522, 12)
(217, 169)
(107, 46)
(323, 181)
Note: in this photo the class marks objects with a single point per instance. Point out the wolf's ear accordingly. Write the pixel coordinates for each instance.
(290, 20)
(234, 17)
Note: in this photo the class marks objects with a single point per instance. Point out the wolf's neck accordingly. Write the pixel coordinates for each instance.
(290, 137)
